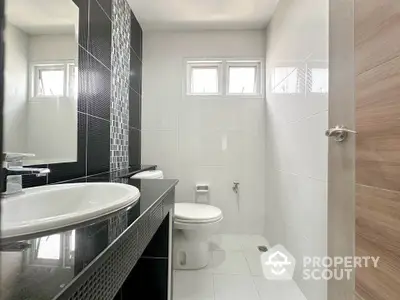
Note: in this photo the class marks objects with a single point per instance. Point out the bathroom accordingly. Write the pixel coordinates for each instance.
(171, 149)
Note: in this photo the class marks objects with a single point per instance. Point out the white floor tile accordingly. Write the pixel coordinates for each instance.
(193, 298)
(251, 242)
(229, 262)
(226, 242)
(192, 285)
(234, 261)
(253, 258)
(275, 289)
(234, 287)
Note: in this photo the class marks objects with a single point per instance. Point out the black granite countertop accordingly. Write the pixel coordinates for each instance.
(124, 173)
(51, 262)
(132, 170)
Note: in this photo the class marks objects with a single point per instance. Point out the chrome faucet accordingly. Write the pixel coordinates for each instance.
(13, 170)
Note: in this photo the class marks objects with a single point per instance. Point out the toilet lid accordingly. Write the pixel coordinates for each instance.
(197, 213)
(154, 174)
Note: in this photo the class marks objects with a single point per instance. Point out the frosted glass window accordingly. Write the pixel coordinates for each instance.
(204, 80)
(242, 80)
(50, 82)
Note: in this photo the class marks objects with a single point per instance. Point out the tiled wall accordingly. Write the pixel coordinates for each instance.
(297, 150)
(210, 140)
(377, 54)
(109, 101)
(2, 22)
(135, 92)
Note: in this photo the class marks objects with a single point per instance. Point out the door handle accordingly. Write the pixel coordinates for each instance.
(339, 132)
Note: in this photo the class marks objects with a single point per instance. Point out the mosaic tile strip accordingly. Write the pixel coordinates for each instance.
(120, 68)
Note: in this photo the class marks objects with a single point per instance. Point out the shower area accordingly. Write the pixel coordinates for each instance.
(263, 158)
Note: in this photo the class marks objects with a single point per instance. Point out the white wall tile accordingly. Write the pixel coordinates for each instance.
(302, 205)
(163, 118)
(214, 176)
(315, 160)
(203, 148)
(234, 114)
(296, 147)
(296, 107)
(218, 140)
(160, 147)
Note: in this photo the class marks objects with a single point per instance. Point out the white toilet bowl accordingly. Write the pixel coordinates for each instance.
(194, 226)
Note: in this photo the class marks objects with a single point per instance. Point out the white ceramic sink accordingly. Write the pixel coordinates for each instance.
(50, 207)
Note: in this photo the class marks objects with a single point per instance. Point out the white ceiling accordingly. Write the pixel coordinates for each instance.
(203, 14)
(43, 16)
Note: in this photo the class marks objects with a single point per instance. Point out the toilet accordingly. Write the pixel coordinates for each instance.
(194, 225)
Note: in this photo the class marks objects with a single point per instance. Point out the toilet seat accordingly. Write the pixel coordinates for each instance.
(194, 213)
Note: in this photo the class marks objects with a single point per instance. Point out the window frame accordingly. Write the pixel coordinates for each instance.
(65, 252)
(211, 64)
(257, 64)
(36, 67)
(223, 65)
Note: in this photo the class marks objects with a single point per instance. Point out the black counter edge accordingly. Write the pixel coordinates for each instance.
(70, 291)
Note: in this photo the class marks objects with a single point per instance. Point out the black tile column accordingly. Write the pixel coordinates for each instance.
(98, 145)
(99, 44)
(135, 92)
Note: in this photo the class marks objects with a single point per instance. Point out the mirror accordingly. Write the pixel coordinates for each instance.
(41, 80)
